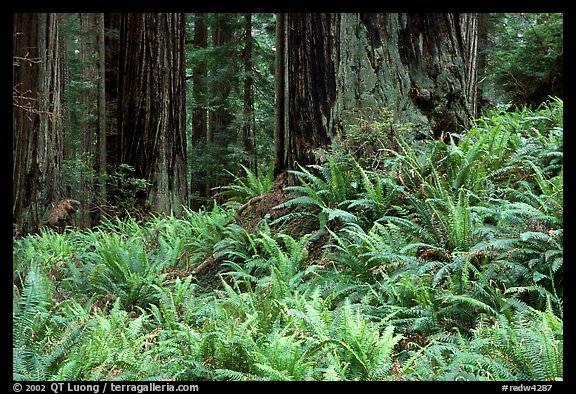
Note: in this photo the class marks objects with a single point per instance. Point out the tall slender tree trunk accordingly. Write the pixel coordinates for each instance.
(102, 134)
(483, 20)
(469, 33)
(221, 82)
(37, 144)
(223, 78)
(152, 106)
(200, 74)
(112, 23)
(281, 95)
(93, 118)
(248, 139)
(67, 105)
(88, 114)
(419, 66)
(199, 111)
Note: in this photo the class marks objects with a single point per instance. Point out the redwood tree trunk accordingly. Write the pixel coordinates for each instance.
(419, 66)
(281, 95)
(152, 106)
(36, 144)
(312, 86)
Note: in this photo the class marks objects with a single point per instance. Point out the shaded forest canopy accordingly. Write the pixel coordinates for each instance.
(258, 196)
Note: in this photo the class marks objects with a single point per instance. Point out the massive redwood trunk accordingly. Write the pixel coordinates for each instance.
(37, 144)
(419, 66)
(152, 106)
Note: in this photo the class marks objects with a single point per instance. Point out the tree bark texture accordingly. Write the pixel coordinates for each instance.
(281, 94)
(311, 82)
(469, 33)
(431, 52)
(36, 143)
(152, 108)
(417, 65)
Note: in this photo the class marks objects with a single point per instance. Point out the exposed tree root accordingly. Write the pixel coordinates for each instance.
(238, 214)
(204, 264)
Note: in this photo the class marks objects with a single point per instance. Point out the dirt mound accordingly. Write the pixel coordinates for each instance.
(263, 206)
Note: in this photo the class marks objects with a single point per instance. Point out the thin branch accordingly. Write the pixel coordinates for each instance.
(245, 206)
(204, 264)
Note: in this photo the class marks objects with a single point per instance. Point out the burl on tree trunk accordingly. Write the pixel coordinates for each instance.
(61, 215)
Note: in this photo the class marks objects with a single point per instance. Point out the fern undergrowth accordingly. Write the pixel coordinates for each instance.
(443, 263)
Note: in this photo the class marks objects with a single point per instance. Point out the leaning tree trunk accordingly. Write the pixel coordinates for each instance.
(152, 106)
(482, 97)
(415, 65)
(36, 143)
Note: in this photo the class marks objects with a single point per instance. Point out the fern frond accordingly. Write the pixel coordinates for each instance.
(28, 317)
(230, 375)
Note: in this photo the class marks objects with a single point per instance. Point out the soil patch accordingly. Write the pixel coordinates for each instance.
(263, 206)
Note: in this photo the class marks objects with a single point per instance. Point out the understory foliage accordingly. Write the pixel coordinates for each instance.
(438, 264)
(524, 57)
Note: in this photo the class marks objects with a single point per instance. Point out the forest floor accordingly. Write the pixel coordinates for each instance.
(250, 215)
